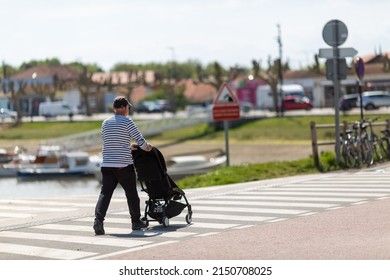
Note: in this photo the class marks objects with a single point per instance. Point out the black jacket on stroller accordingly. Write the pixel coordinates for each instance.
(164, 195)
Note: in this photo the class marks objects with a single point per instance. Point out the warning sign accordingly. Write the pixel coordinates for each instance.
(226, 106)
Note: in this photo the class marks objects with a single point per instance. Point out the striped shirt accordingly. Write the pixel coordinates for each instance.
(117, 133)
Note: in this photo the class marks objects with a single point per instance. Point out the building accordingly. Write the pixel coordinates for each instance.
(37, 84)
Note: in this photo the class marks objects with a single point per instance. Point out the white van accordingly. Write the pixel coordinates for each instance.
(54, 109)
(264, 98)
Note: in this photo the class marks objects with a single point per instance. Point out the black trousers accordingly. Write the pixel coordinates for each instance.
(127, 179)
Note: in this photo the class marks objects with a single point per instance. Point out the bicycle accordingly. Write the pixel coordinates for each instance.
(385, 139)
(349, 151)
(365, 144)
(377, 143)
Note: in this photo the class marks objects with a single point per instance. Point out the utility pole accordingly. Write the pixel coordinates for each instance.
(280, 72)
(172, 80)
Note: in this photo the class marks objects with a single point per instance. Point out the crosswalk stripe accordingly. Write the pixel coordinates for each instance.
(161, 233)
(247, 218)
(285, 198)
(351, 194)
(43, 252)
(263, 203)
(112, 230)
(35, 209)
(250, 210)
(213, 225)
(48, 203)
(346, 184)
(125, 221)
(15, 215)
(75, 239)
(335, 189)
(193, 225)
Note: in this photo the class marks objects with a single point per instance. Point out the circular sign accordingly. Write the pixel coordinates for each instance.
(335, 33)
(359, 67)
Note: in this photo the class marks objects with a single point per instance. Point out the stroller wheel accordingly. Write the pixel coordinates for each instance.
(189, 218)
(165, 221)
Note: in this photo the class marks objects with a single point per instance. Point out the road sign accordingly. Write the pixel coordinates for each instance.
(359, 67)
(341, 69)
(225, 106)
(335, 33)
(342, 53)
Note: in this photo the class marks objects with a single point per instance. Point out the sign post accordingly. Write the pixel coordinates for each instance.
(359, 68)
(335, 33)
(225, 108)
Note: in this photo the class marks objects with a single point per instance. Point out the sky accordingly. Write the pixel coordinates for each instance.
(231, 32)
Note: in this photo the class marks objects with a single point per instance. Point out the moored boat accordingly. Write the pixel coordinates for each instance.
(19, 158)
(187, 165)
(66, 164)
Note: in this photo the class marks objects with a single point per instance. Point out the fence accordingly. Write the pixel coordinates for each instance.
(343, 127)
(148, 128)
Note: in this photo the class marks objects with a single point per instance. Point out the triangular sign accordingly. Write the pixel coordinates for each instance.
(225, 95)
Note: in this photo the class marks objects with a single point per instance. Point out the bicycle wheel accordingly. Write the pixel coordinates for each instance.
(349, 155)
(366, 151)
(377, 150)
(385, 146)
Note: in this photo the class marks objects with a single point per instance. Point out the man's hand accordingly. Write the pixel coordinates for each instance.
(148, 148)
(134, 147)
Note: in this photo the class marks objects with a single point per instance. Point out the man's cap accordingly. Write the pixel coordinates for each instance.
(120, 102)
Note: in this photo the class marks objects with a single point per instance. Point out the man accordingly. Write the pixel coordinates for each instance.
(117, 164)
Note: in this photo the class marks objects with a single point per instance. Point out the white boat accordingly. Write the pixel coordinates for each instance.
(68, 164)
(187, 165)
(19, 158)
(53, 161)
(5, 156)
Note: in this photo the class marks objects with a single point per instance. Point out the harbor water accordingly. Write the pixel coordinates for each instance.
(11, 188)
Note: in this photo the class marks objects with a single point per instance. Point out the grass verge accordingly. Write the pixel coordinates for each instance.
(254, 172)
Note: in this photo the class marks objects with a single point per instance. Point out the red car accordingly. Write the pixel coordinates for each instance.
(296, 103)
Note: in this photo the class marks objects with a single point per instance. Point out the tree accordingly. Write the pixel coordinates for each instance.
(85, 85)
(79, 67)
(8, 70)
(218, 76)
(135, 79)
(271, 77)
(47, 61)
(16, 88)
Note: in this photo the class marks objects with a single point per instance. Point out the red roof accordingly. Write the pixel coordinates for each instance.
(48, 71)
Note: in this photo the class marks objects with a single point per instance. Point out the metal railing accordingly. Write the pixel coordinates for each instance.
(147, 127)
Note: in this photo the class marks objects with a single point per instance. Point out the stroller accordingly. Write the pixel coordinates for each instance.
(164, 194)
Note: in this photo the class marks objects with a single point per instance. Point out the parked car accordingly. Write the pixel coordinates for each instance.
(153, 106)
(374, 99)
(7, 114)
(265, 100)
(296, 102)
(165, 105)
(148, 107)
(348, 101)
(54, 109)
